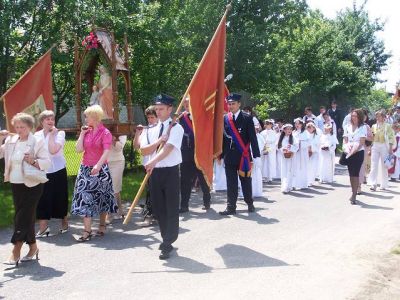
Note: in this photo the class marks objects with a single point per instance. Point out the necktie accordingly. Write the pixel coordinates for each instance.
(161, 129)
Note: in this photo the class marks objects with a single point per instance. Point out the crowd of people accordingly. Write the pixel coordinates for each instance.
(297, 153)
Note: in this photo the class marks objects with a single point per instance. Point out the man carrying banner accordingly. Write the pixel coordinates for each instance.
(164, 170)
(239, 134)
(189, 170)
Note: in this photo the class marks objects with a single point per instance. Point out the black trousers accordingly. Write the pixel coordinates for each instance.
(231, 172)
(189, 172)
(25, 202)
(164, 195)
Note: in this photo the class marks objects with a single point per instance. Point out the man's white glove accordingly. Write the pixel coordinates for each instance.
(257, 162)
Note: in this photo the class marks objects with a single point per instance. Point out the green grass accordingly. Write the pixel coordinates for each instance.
(130, 184)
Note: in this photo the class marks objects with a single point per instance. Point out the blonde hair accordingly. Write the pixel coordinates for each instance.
(95, 111)
(45, 114)
(24, 118)
(381, 112)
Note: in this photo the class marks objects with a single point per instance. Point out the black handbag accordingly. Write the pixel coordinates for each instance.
(343, 160)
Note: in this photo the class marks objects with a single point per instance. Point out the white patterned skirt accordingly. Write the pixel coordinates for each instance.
(93, 195)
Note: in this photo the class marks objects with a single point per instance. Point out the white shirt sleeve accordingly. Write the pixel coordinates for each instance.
(60, 138)
(175, 137)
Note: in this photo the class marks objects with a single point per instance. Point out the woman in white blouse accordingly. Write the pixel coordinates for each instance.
(116, 163)
(54, 201)
(20, 149)
(353, 145)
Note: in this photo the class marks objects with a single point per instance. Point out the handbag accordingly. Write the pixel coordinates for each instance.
(389, 161)
(32, 173)
(343, 160)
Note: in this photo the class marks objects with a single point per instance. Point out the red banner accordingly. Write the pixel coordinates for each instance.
(207, 95)
(32, 93)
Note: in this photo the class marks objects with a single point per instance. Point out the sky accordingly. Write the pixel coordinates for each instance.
(385, 10)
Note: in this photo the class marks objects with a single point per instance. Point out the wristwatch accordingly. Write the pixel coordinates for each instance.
(34, 162)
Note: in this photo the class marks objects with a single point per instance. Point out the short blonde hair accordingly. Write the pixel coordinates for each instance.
(45, 114)
(95, 111)
(381, 112)
(24, 118)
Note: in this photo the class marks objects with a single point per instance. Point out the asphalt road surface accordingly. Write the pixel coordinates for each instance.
(310, 244)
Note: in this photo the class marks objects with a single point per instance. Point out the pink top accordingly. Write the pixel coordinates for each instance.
(94, 145)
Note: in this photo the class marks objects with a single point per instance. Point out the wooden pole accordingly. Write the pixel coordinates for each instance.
(176, 117)
(146, 178)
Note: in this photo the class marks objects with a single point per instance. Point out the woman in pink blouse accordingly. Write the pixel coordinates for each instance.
(93, 194)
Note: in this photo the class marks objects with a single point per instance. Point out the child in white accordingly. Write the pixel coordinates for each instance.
(278, 160)
(328, 144)
(269, 151)
(313, 169)
(219, 175)
(301, 157)
(396, 152)
(287, 146)
(256, 172)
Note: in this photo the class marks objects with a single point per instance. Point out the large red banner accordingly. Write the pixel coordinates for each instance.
(32, 93)
(207, 95)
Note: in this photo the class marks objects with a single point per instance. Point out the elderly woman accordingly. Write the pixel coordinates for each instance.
(93, 194)
(382, 146)
(116, 164)
(54, 201)
(23, 151)
(354, 137)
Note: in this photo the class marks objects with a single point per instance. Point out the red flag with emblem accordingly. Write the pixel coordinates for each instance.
(207, 96)
(32, 93)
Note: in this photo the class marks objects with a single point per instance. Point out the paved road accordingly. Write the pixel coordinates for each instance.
(311, 244)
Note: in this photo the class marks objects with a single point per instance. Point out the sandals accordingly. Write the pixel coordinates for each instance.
(101, 233)
(84, 238)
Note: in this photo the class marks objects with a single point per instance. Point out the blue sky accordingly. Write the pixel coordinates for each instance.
(386, 10)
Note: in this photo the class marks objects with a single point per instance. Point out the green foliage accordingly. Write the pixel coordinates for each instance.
(279, 51)
(377, 99)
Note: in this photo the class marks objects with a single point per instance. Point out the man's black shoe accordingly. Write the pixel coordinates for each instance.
(227, 212)
(183, 210)
(251, 208)
(165, 252)
(206, 207)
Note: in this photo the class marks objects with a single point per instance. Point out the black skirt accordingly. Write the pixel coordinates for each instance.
(54, 200)
(354, 163)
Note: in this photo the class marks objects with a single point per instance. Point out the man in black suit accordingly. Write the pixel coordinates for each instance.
(337, 116)
(239, 134)
(189, 170)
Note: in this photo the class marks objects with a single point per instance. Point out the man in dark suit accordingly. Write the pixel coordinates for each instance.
(239, 134)
(189, 170)
(337, 116)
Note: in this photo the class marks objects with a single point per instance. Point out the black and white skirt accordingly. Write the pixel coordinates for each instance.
(93, 195)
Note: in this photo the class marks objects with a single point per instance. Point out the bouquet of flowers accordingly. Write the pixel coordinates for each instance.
(90, 42)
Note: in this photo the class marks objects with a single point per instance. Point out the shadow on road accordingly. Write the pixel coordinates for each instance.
(369, 206)
(375, 195)
(255, 217)
(237, 256)
(299, 195)
(33, 270)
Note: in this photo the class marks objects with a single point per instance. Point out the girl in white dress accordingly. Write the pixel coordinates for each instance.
(269, 151)
(328, 144)
(256, 173)
(287, 146)
(219, 175)
(302, 156)
(278, 131)
(314, 158)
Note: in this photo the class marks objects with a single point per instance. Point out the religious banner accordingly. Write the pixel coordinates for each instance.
(32, 93)
(207, 97)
